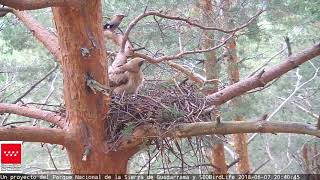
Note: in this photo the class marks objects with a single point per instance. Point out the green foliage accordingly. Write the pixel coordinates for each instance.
(128, 130)
(171, 113)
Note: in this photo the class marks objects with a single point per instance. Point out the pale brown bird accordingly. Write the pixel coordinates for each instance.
(127, 78)
(114, 23)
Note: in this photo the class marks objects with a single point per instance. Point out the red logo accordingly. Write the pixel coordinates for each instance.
(10, 153)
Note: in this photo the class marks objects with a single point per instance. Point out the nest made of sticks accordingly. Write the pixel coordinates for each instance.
(161, 104)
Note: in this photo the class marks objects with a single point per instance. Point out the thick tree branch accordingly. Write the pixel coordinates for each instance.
(49, 40)
(33, 113)
(35, 134)
(38, 4)
(204, 128)
(143, 134)
(186, 20)
(265, 76)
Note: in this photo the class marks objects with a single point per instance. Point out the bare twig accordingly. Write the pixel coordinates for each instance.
(297, 88)
(287, 40)
(267, 62)
(51, 158)
(260, 166)
(302, 108)
(188, 72)
(16, 122)
(180, 54)
(186, 20)
(35, 84)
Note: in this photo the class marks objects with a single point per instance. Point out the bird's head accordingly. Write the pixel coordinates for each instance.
(138, 62)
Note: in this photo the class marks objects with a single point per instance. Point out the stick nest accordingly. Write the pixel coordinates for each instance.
(163, 105)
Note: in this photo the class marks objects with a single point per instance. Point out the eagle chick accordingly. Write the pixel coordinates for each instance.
(127, 78)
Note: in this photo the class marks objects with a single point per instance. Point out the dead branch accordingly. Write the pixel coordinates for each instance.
(31, 4)
(126, 49)
(288, 43)
(193, 76)
(16, 122)
(270, 74)
(299, 106)
(51, 157)
(154, 60)
(260, 166)
(188, 72)
(35, 134)
(186, 20)
(296, 89)
(35, 84)
(33, 113)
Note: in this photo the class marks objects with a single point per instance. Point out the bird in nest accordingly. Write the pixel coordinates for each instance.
(127, 78)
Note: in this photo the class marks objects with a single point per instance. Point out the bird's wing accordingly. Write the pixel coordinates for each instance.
(107, 26)
(118, 79)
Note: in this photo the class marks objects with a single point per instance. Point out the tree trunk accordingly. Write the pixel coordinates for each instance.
(83, 54)
(218, 159)
(212, 72)
(230, 54)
